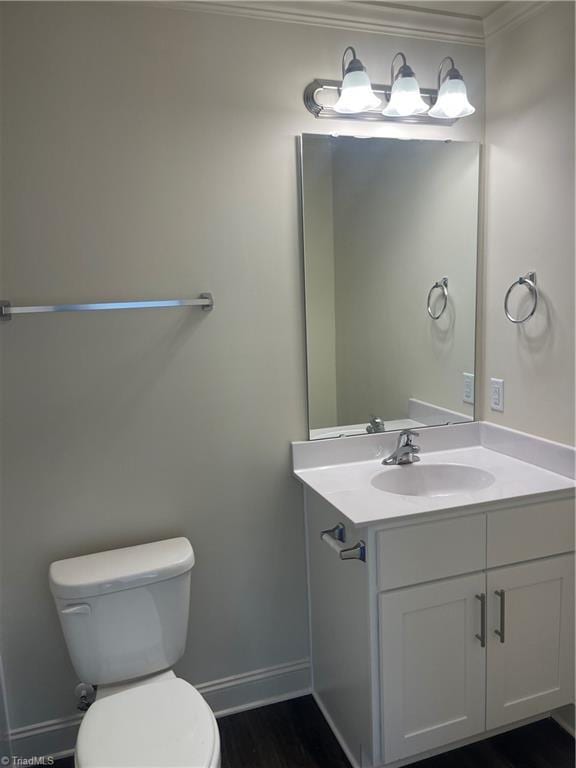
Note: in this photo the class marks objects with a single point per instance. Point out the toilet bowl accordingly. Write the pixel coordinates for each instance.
(124, 614)
(160, 723)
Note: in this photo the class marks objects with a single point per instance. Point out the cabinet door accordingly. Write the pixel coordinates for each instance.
(530, 661)
(432, 665)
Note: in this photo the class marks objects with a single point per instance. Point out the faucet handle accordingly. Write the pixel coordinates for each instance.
(376, 424)
(406, 436)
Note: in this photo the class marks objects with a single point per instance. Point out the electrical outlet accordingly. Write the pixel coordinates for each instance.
(468, 396)
(497, 394)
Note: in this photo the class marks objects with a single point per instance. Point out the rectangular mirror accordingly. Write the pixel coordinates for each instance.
(390, 249)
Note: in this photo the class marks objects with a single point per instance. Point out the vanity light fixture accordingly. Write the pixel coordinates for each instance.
(405, 99)
(356, 94)
(452, 101)
(356, 98)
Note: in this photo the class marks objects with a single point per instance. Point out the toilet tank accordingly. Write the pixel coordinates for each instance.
(124, 613)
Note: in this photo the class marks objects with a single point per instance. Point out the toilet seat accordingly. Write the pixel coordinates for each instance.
(163, 724)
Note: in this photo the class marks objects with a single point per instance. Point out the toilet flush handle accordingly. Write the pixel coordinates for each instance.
(77, 608)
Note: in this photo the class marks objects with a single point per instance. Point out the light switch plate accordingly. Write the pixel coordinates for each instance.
(497, 394)
(468, 396)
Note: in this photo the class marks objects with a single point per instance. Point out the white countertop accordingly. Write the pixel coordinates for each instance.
(348, 486)
(323, 433)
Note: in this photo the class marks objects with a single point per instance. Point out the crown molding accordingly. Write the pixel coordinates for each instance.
(353, 16)
(511, 15)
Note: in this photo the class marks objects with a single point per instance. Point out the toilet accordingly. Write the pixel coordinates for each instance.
(124, 614)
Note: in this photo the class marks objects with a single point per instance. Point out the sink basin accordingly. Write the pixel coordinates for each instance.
(432, 479)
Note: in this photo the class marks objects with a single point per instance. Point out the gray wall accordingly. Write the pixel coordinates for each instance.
(529, 222)
(150, 152)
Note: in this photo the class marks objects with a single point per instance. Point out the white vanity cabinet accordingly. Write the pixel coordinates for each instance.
(458, 625)
(530, 668)
(433, 668)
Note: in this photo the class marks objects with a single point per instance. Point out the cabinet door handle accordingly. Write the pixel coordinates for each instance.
(502, 631)
(482, 635)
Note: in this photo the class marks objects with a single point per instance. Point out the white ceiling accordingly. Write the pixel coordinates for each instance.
(475, 9)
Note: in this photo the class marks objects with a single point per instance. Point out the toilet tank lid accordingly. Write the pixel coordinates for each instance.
(118, 569)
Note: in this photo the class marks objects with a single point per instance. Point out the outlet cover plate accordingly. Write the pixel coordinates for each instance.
(497, 394)
(468, 395)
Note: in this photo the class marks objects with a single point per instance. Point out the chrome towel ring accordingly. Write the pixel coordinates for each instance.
(528, 280)
(443, 285)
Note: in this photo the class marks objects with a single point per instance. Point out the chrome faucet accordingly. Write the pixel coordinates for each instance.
(405, 452)
(376, 424)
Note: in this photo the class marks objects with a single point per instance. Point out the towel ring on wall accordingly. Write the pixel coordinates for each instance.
(530, 281)
(443, 285)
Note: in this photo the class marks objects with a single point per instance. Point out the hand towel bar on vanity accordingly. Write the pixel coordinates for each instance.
(457, 622)
(335, 538)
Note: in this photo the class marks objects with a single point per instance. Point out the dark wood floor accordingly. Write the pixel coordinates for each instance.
(293, 734)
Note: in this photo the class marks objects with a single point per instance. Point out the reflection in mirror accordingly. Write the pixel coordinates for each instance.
(390, 245)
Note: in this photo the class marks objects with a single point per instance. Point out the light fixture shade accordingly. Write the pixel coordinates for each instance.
(452, 100)
(356, 94)
(405, 98)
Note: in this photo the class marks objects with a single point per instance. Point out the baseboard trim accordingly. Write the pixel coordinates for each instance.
(339, 738)
(564, 723)
(263, 702)
(226, 696)
(255, 676)
(54, 738)
(257, 688)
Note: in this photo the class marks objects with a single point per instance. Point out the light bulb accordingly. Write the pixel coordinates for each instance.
(452, 100)
(405, 99)
(356, 94)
